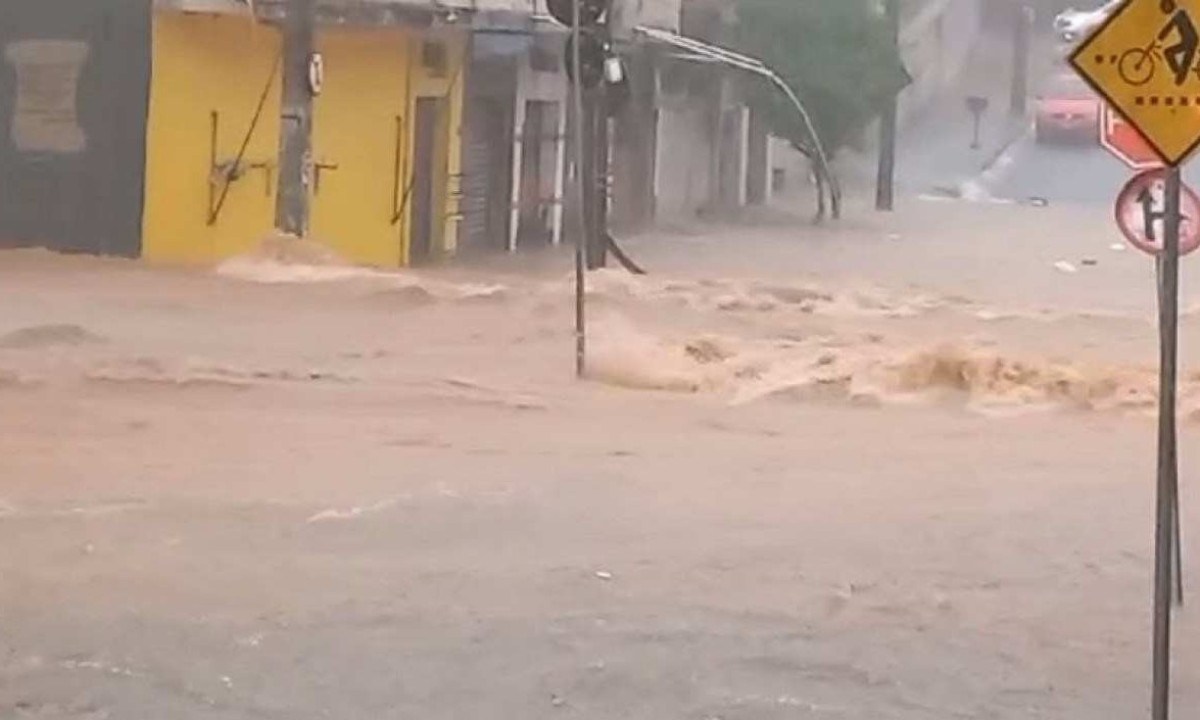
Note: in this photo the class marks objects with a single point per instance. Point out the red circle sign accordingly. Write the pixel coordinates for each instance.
(1140, 213)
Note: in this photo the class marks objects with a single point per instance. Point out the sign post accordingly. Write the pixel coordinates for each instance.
(976, 105)
(1145, 61)
(1168, 461)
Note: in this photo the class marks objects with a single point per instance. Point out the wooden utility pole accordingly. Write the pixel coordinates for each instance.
(582, 163)
(598, 109)
(885, 182)
(295, 127)
(598, 250)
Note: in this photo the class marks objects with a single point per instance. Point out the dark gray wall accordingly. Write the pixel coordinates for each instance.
(72, 157)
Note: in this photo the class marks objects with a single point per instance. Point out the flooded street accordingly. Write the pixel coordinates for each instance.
(290, 422)
(896, 468)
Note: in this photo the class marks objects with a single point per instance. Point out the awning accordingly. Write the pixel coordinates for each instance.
(694, 50)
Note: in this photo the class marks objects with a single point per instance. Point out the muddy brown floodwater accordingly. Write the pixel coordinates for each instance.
(901, 468)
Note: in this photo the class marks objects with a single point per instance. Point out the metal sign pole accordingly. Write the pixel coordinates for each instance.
(1166, 520)
(1177, 531)
(1120, 60)
(1176, 520)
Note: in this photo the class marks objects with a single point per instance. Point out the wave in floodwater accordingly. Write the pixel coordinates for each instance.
(867, 370)
(849, 301)
(283, 260)
(733, 295)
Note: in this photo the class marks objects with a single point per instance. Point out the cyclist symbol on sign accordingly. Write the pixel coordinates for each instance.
(1182, 55)
(1137, 65)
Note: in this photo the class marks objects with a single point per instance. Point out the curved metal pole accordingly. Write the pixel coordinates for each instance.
(701, 51)
(824, 174)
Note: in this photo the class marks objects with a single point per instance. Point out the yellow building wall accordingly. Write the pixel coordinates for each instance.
(205, 64)
(360, 125)
(362, 132)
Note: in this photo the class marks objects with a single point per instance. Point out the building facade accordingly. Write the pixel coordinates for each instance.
(682, 142)
(74, 90)
(151, 127)
(384, 181)
(514, 174)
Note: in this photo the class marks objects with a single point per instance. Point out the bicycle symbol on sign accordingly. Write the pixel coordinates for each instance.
(1138, 66)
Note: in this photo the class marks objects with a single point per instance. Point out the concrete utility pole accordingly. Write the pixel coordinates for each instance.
(295, 128)
(1023, 22)
(885, 182)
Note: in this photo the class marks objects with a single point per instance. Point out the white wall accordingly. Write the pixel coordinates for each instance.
(683, 179)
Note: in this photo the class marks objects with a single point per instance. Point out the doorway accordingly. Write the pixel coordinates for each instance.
(487, 175)
(539, 135)
(429, 179)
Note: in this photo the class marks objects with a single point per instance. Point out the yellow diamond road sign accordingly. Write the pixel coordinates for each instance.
(1145, 60)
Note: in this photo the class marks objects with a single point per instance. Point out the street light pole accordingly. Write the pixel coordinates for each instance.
(295, 128)
(885, 181)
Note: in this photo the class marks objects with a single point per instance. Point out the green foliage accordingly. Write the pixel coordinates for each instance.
(837, 55)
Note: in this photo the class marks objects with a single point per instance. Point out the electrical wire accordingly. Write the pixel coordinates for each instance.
(231, 172)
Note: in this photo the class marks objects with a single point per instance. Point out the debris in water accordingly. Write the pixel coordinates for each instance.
(1065, 267)
(1117, 247)
(1089, 262)
(604, 575)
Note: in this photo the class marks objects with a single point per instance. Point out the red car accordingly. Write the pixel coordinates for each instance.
(1067, 110)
